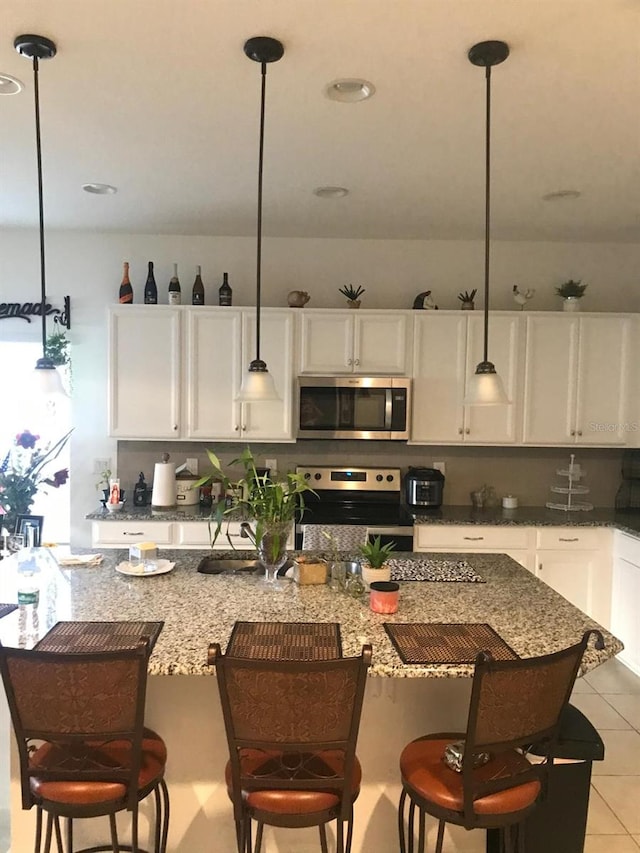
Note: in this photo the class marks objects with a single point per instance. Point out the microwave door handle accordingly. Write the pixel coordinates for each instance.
(388, 409)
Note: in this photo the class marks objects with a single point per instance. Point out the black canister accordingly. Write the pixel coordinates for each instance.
(140, 492)
(423, 487)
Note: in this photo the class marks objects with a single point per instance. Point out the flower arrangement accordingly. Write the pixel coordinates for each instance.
(571, 288)
(22, 474)
(353, 294)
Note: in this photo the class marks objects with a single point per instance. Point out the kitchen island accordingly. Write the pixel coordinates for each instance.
(402, 701)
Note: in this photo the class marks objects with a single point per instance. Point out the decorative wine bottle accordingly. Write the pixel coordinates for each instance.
(126, 291)
(197, 294)
(175, 294)
(225, 292)
(150, 289)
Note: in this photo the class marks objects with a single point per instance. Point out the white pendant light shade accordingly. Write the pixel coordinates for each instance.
(257, 385)
(485, 388)
(46, 379)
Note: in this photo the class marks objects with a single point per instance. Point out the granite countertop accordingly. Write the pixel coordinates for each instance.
(198, 609)
(146, 513)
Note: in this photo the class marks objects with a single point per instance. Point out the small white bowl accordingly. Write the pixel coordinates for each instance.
(115, 507)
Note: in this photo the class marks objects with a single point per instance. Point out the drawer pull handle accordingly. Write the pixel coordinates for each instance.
(473, 538)
(137, 533)
(563, 539)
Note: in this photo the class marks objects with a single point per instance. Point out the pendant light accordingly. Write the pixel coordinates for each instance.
(257, 383)
(47, 378)
(485, 387)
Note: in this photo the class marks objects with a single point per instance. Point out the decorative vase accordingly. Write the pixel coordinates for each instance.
(353, 303)
(369, 574)
(272, 548)
(571, 303)
(467, 306)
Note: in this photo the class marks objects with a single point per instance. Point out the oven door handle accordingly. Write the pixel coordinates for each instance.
(378, 530)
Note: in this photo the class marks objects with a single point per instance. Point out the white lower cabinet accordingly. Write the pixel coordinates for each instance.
(168, 534)
(514, 541)
(625, 598)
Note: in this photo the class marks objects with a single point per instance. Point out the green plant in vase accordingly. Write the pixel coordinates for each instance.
(269, 508)
(353, 294)
(571, 292)
(374, 567)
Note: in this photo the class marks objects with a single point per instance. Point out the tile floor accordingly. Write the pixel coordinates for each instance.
(610, 698)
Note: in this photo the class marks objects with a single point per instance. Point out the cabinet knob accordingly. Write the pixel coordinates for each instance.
(349, 361)
(236, 427)
(579, 432)
(244, 427)
(573, 432)
(460, 430)
(467, 431)
(357, 361)
(175, 427)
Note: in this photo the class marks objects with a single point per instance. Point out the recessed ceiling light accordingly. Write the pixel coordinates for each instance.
(562, 195)
(349, 90)
(10, 85)
(331, 192)
(99, 189)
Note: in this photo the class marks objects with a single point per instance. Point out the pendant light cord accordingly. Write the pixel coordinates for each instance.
(43, 292)
(487, 213)
(259, 246)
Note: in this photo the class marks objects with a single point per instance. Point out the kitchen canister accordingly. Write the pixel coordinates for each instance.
(509, 502)
(163, 495)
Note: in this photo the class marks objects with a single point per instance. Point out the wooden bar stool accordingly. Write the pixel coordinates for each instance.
(78, 719)
(292, 728)
(514, 704)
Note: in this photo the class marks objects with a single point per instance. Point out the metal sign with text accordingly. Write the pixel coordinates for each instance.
(27, 310)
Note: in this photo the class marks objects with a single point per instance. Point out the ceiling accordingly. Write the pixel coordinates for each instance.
(157, 98)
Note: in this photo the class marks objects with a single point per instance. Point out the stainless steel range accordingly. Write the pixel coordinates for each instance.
(370, 497)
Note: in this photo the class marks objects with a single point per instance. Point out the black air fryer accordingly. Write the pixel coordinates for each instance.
(423, 487)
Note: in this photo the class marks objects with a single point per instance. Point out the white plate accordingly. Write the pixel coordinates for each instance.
(162, 567)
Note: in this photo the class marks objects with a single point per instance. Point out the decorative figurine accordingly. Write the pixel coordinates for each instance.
(297, 298)
(523, 297)
(424, 301)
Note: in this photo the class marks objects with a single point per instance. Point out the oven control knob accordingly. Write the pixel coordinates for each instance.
(317, 476)
(307, 476)
(389, 478)
(379, 477)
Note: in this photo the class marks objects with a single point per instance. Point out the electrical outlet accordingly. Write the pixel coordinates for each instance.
(439, 466)
(192, 465)
(271, 464)
(100, 465)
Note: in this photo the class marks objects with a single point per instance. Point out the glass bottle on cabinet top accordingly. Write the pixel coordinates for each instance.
(197, 294)
(175, 295)
(150, 289)
(225, 293)
(125, 295)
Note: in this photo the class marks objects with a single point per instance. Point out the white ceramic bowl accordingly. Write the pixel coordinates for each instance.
(115, 507)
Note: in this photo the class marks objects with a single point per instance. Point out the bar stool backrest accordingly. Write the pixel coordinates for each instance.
(515, 704)
(73, 703)
(292, 711)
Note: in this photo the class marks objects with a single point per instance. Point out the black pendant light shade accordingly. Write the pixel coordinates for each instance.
(35, 48)
(257, 383)
(485, 387)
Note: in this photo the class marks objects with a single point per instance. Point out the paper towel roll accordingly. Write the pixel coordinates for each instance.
(163, 495)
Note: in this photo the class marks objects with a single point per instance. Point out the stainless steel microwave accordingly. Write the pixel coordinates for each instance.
(375, 407)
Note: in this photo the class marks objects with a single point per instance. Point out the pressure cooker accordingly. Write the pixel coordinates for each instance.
(423, 487)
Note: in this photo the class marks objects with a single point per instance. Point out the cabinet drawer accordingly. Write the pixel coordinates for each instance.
(190, 534)
(627, 547)
(469, 536)
(572, 538)
(125, 532)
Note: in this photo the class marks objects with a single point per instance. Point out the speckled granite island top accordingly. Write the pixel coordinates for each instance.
(198, 609)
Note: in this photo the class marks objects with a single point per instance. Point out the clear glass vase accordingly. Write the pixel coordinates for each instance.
(272, 549)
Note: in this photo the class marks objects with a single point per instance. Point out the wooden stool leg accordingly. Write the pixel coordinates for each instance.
(114, 833)
(403, 797)
(56, 824)
(164, 793)
(48, 834)
(69, 835)
(440, 838)
(258, 845)
(323, 838)
(134, 830)
(38, 843)
(339, 836)
(349, 831)
(248, 834)
(410, 824)
(421, 830)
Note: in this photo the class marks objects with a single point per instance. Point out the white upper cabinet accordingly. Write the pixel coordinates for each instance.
(144, 372)
(447, 348)
(576, 380)
(353, 341)
(147, 346)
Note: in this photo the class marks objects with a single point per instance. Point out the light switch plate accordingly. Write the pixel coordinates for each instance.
(271, 464)
(192, 465)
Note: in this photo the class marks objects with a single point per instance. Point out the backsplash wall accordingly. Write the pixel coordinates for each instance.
(526, 472)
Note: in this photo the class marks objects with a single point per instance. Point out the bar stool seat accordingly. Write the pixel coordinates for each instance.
(328, 763)
(117, 753)
(424, 771)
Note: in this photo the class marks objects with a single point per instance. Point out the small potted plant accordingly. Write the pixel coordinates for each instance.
(353, 295)
(571, 292)
(467, 299)
(374, 566)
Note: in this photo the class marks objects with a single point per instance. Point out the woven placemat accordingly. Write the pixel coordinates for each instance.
(6, 609)
(442, 642)
(98, 636)
(286, 641)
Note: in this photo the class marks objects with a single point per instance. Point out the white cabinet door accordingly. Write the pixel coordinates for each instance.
(144, 372)
(581, 577)
(380, 343)
(625, 599)
(601, 406)
(270, 421)
(213, 373)
(326, 342)
(494, 424)
(551, 356)
(439, 351)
